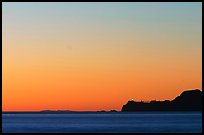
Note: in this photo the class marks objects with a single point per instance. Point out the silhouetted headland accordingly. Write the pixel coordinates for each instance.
(190, 100)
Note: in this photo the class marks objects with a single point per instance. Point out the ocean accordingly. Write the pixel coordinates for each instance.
(119, 122)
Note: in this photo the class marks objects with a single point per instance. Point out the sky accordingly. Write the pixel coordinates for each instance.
(97, 56)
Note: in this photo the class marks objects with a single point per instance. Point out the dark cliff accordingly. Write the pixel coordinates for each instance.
(190, 100)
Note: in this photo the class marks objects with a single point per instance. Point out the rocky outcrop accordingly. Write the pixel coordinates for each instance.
(190, 100)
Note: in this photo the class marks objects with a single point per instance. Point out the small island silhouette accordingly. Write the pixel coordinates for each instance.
(190, 100)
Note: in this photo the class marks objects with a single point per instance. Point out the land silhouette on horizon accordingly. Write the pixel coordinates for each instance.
(189, 100)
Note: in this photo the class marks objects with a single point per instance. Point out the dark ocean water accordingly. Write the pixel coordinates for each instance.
(140, 122)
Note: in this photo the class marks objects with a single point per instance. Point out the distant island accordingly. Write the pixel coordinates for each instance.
(190, 100)
(56, 112)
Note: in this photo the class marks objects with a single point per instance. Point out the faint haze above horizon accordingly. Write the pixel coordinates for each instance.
(96, 56)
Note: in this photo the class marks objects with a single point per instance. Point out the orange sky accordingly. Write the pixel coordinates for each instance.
(74, 57)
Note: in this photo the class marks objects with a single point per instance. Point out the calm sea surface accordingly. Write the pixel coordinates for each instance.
(140, 122)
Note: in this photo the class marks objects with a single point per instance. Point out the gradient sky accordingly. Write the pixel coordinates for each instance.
(97, 56)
